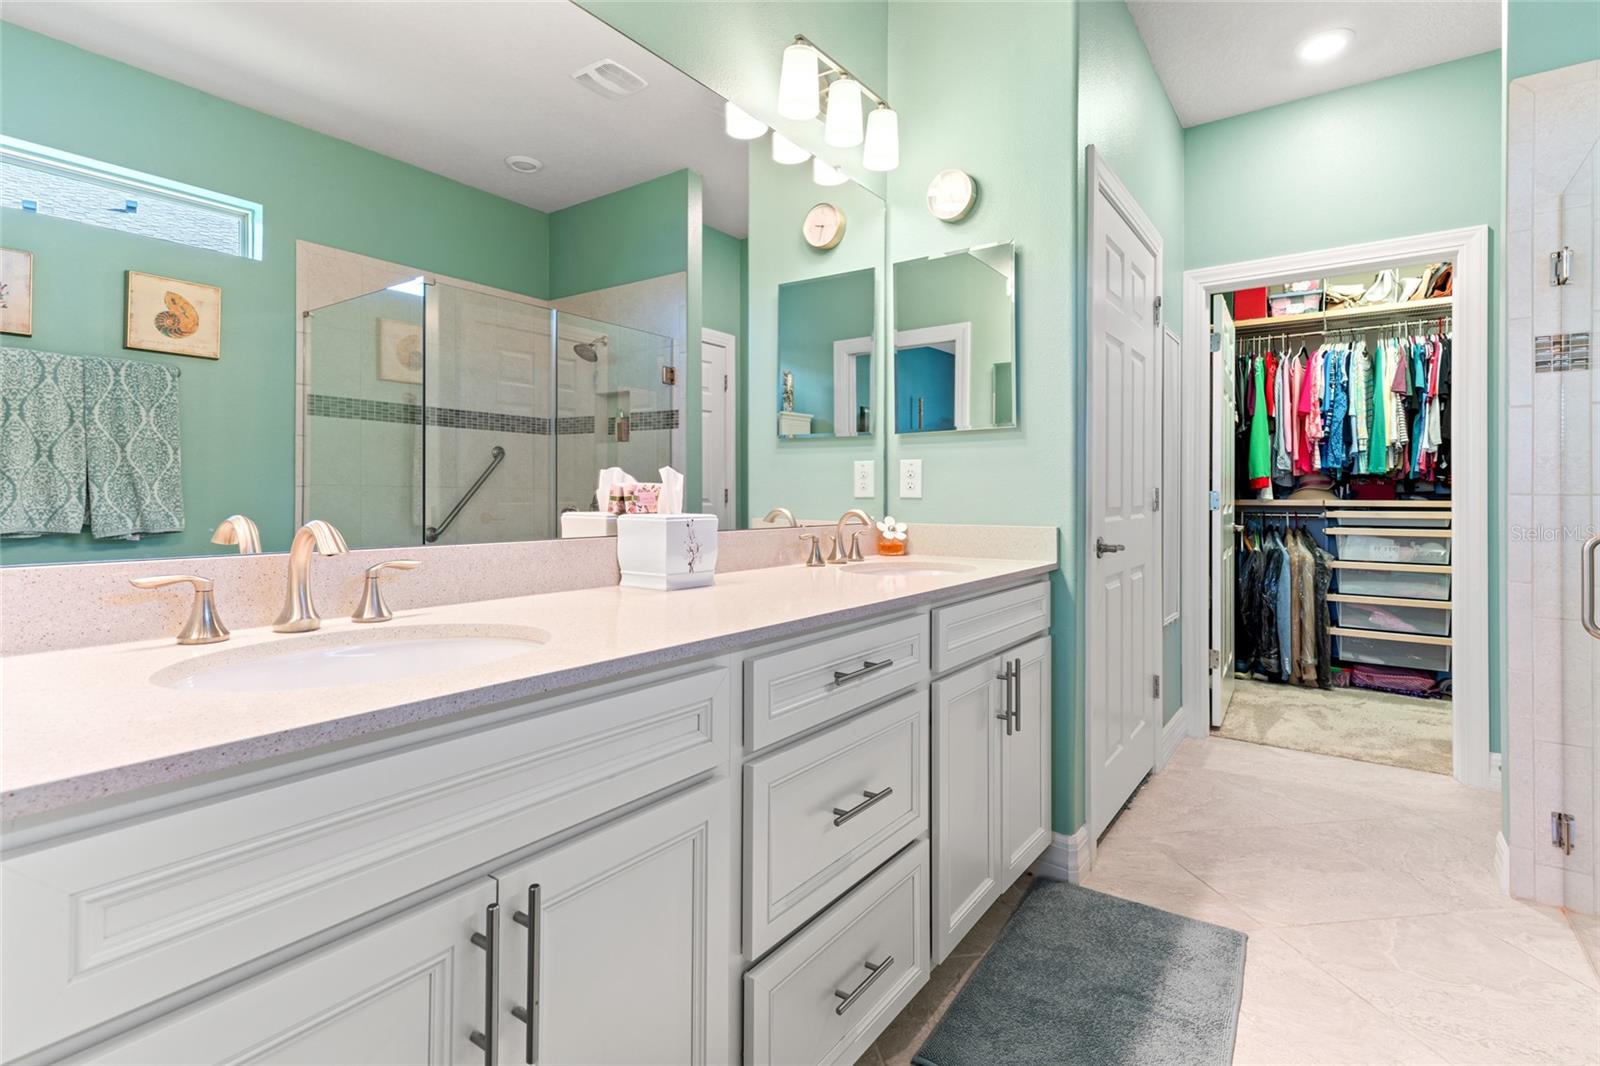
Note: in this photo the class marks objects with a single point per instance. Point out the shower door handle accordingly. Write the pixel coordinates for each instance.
(1586, 597)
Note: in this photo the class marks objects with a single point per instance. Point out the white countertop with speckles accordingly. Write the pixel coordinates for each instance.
(90, 723)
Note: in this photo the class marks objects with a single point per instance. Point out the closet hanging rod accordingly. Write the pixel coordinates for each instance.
(1420, 324)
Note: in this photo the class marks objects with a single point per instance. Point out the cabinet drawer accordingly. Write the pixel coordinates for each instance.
(807, 684)
(110, 921)
(794, 1010)
(812, 826)
(966, 632)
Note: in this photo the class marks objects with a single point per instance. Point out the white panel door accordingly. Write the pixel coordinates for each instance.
(967, 735)
(1025, 762)
(1224, 544)
(627, 943)
(717, 433)
(410, 990)
(1122, 568)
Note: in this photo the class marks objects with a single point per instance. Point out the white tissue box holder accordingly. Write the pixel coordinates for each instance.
(667, 551)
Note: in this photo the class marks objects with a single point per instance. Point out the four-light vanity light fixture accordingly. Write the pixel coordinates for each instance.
(812, 84)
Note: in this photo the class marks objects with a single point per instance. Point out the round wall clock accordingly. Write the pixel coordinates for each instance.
(951, 195)
(824, 226)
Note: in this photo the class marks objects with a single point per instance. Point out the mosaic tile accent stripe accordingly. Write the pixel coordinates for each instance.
(329, 406)
(1558, 352)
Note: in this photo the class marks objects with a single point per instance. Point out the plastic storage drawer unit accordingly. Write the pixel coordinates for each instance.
(1430, 549)
(1394, 618)
(1434, 657)
(1401, 584)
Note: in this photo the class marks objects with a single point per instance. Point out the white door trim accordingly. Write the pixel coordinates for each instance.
(955, 338)
(1103, 181)
(844, 383)
(1469, 249)
(730, 413)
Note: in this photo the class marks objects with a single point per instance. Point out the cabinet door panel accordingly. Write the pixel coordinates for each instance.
(632, 934)
(1025, 765)
(408, 991)
(967, 739)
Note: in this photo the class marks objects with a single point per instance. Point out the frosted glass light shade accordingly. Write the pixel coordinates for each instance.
(825, 173)
(882, 150)
(842, 128)
(740, 124)
(786, 151)
(797, 83)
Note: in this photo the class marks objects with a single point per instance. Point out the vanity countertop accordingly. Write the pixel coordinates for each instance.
(89, 723)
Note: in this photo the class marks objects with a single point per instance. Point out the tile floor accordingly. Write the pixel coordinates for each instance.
(1377, 931)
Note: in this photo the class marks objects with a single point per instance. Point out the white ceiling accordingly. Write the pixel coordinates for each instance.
(1219, 58)
(451, 86)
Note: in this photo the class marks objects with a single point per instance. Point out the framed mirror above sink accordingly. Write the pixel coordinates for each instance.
(955, 341)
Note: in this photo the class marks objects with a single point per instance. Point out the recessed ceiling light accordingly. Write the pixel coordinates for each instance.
(1324, 45)
(524, 164)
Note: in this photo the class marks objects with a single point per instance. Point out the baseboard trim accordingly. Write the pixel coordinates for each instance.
(1175, 732)
(1495, 763)
(1502, 860)
(1067, 858)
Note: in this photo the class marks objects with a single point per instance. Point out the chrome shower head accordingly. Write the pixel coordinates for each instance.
(589, 351)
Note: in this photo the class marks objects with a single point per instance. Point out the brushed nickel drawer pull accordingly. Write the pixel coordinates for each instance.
(1007, 716)
(848, 998)
(867, 667)
(842, 815)
(1016, 699)
(529, 1015)
(489, 941)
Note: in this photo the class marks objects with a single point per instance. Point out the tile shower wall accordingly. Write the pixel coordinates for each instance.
(1553, 438)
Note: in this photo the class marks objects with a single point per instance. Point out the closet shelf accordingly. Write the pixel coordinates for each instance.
(1403, 568)
(1387, 531)
(1388, 601)
(1344, 506)
(1380, 634)
(1272, 324)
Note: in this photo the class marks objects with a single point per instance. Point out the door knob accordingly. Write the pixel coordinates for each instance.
(1102, 548)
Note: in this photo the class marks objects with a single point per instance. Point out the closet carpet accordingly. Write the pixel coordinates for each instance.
(1351, 723)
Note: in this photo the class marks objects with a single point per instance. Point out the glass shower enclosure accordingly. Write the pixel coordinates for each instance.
(436, 413)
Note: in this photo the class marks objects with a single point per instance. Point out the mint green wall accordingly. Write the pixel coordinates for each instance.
(722, 271)
(1236, 211)
(811, 477)
(812, 315)
(238, 412)
(1546, 34)
(1124, 112)
(632, 234)
(991, 88)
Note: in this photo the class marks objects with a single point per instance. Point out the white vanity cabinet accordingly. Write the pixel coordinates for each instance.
(624, 934)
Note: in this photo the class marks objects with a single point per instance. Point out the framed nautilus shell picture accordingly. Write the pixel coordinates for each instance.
(172, 316)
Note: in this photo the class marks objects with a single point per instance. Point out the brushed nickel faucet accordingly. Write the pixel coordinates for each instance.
(372, 608)
(204, 625)
(299, 614)
(237, 529)
(783, 513)
(814, 553)
(854, 554)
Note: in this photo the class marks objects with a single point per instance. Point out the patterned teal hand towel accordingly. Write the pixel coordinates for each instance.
(41, 443)
(135, 466)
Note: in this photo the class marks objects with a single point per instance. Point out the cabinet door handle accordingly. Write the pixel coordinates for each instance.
(867, 667)
(489, 941)
(847, 999)
(842, 815)
(1006, 715)
(529, 1015)
(1016, 698)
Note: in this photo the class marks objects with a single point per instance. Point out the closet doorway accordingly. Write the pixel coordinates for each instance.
(1391, 543)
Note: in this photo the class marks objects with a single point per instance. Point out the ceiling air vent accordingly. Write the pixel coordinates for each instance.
(609, 78)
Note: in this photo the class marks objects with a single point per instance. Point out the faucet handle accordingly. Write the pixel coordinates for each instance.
(836, 549)
(814, 558)
(855, 555)
(372, 608)
(204, 625)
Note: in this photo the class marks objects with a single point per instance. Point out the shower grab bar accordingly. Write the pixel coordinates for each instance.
(433, 533)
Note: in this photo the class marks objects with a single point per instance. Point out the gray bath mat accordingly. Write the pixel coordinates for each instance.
(1082, 977)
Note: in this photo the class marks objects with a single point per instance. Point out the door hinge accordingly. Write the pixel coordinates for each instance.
(1155, 502)
(1155, 685)
(724, 495)
(1156, 310)
(1561, 831)
(669, 375)
(1214, 659)
(1216, 341)
(1216, 500)
(724, 383)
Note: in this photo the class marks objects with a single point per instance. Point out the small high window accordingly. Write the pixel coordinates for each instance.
(51, 182)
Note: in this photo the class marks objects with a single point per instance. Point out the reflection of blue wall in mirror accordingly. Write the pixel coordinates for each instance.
(863, 393)
(927, 374)
(812, 315)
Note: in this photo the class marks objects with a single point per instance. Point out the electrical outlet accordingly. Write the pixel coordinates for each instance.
(911, 479)
(865, 488)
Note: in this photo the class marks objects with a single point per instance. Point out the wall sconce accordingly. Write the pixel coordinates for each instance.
(808, 75)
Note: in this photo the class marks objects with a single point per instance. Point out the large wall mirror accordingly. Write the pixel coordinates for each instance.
(430, 299)
(955, 341)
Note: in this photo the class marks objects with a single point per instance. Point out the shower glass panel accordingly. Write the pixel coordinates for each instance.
(613, 406)
(361, 464)
(488, 441)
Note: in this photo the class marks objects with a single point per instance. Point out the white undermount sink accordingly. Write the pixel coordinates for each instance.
(910, 567)
(351, 658)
